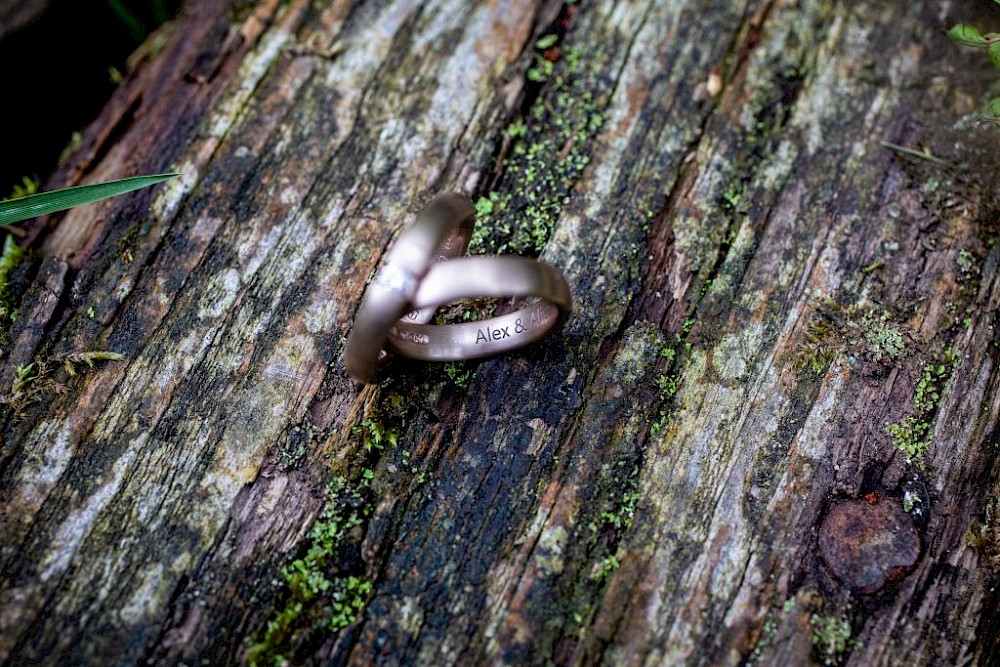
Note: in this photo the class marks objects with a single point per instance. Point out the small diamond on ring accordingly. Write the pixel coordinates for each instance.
(395, 279)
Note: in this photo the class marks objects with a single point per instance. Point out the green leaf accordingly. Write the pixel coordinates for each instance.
(994, 52)
(43, 203)
(546, 42)
(963, 33)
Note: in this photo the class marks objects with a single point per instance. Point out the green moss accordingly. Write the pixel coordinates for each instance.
(969, 35)
(912, 435)
(668, 385)
(374, 435)
(349, 596)
(12, 256)
(323, 588)
(605, 567)
(549, 150)
(296, 442)
(874, 266)
(72, 146)
(985, 536)
(318, 597)
(27, 186)
(516, 130)
(831, 638)
(967, 264)
(34, 381)
(769, 630)
(459, 373)
(910, 502)
(126, 243)
(870, 333)
(622, 516)
(732, 196)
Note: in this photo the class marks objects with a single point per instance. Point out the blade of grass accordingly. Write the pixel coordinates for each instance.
(43, 203)
(915, 153)
(160, 13)
(128, 17)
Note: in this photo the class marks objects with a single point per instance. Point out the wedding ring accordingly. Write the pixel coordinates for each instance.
(416, 279)
(442, 231)
(472, 277)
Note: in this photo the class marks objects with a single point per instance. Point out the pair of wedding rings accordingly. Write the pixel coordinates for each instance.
(425, 270)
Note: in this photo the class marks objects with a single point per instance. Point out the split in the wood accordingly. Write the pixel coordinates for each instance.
(544, 155)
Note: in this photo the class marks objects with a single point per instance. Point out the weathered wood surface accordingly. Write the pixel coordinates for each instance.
(147, 513)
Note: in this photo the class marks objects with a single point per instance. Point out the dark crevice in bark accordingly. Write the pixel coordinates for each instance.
(530, 90)
(113, 135)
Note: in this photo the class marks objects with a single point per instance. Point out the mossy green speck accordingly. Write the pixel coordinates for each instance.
(317, 596)
(550, 148)
(912, 435)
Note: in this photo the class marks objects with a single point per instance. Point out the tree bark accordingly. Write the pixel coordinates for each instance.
(768, 433)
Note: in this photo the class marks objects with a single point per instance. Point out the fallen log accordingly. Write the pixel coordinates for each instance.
(768, 433)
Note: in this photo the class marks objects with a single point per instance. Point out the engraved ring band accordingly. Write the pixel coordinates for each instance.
(416, 278)
(472, 277)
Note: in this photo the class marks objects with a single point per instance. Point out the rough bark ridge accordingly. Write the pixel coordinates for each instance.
(770, 307)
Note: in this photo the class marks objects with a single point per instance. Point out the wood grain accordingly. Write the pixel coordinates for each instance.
(644, 487)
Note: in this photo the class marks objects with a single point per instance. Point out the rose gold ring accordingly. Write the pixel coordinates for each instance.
(472, 277)
(420, 274)
(442, 230)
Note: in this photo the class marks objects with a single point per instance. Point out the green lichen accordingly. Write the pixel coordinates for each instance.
(549, 150)
(883, 340)
(911, 436)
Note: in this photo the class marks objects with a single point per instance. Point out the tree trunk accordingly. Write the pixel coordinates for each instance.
(768, 433)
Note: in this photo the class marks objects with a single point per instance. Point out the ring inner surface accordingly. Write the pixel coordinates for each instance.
(469, 340)
(453, 246)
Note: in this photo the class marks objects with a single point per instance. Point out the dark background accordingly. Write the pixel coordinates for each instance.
(56, 72)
